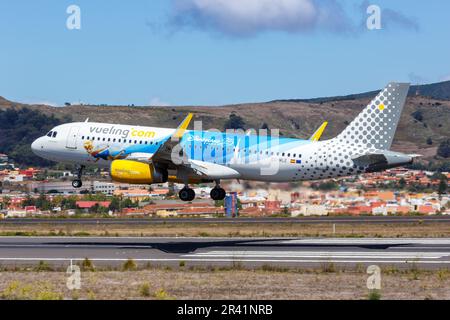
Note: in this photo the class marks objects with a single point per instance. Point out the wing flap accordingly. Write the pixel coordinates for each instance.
(212, 170)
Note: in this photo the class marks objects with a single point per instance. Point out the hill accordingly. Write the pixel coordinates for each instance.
(424, 124)
(438, 91)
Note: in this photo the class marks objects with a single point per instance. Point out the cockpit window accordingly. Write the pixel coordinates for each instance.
(50, 134)
(55, 134)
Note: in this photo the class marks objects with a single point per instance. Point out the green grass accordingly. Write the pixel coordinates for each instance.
(374, 295)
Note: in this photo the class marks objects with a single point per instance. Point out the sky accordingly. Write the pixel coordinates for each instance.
(216, 52)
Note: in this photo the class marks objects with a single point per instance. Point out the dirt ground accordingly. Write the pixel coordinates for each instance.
(223, 284)
(395, 230)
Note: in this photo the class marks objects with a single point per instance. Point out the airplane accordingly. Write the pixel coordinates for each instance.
(151, 155)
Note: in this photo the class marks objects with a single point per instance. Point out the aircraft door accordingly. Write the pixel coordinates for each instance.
(72, 138)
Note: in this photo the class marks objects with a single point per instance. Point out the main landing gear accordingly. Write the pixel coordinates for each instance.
(218, 193)
(186, 194)
(77, 183)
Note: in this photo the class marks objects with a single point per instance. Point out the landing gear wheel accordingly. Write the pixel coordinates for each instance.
(77, 184)
(218, 194)
(187, 194)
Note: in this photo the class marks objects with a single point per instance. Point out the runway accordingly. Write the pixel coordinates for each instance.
(248, 252)
(259, 220)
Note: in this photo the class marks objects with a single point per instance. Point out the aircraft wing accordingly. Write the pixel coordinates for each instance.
(212, 170)
(141, 157)
(164, 153)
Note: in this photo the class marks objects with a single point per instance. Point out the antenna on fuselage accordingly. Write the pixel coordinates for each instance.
(87, 120)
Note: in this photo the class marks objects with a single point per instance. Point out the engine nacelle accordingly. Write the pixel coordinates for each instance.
(135, 172)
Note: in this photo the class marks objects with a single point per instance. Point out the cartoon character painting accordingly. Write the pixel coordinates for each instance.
(103, 153)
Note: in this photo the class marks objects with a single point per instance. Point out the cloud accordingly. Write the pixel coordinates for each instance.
(416, 78)
(159, 103)
(244, 18)
(445, 78)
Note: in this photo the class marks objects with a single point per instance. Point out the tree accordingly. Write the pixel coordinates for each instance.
(115, 204)
(429, 141)
(264, 126)
(6, 202)
(417, 115)
(443, 186)
(234, 122)
(402, 183)
(43, 203)
(444, 149)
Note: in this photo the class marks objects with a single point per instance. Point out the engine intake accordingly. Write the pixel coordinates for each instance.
(135, 172)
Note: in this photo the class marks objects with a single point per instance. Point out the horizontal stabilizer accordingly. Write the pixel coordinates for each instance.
(370, 160)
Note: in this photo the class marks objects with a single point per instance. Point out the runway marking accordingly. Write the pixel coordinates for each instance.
(368, 241)
(227, 260)
(321, 254)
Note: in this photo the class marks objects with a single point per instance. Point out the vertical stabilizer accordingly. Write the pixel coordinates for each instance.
(375, 126)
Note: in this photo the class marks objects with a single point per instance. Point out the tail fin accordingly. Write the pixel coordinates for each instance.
(375, 126)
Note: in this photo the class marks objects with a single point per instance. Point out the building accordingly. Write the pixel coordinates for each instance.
(310, 210)
(90, 204)
(107, 188)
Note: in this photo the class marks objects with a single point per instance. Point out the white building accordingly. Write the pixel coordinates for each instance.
(310, 210)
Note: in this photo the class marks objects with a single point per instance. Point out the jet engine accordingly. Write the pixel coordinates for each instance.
(135, 172)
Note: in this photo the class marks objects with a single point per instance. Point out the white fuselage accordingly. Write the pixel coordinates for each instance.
(281, 160)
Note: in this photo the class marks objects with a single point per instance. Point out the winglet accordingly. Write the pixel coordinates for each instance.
(183, 126)
(318, 134)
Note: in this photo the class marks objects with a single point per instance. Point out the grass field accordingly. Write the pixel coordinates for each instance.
(395, 230)
(237, 283)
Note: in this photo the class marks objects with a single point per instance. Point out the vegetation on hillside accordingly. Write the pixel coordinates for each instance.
(19, 128)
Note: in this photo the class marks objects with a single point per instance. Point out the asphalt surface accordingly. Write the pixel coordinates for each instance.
(300, 220)
(283, 252)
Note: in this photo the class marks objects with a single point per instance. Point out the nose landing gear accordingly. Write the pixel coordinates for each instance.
(77, 183)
